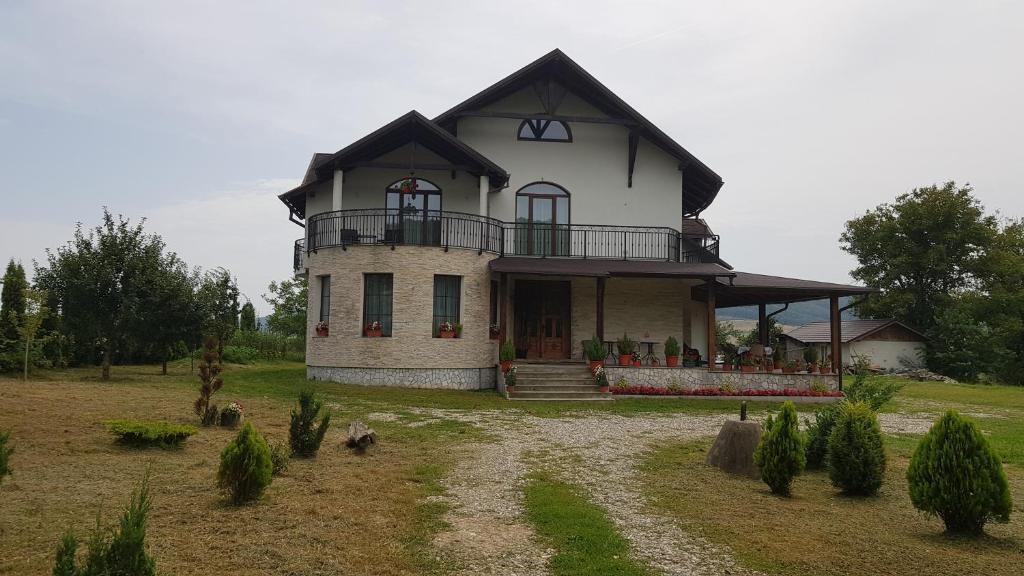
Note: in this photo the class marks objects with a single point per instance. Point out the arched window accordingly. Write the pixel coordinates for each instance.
(542, 220)
(545, 131)
(414, 212)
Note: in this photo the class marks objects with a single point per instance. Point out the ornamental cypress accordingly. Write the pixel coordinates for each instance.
(954, 474)
(304, 435)
(245, 466)
(780, 453)
(818, 433)
(856, 457)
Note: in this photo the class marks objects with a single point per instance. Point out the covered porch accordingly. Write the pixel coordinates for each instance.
(549, 307)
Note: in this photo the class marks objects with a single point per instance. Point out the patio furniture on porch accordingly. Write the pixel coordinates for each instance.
(649, 358)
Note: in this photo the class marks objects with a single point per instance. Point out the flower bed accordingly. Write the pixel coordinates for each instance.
(653, 391)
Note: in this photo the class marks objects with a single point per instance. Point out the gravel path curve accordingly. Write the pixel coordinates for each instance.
(489, 535)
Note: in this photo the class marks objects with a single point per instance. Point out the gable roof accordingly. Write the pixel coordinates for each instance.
(700, 183)
(410, 127)
(851, 330)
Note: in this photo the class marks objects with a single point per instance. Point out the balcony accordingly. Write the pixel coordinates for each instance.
(397, 227)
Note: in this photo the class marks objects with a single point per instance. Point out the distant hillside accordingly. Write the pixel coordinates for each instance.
(798, 314)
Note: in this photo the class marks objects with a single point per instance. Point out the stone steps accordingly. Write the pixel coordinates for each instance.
(566, 382)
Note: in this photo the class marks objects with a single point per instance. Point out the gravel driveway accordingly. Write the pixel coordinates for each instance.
(490, 536)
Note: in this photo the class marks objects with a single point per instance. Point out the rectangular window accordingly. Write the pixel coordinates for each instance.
(447, 299)
(325, 299)
(377, 293)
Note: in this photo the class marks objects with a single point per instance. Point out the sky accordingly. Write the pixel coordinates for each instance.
(195, 115)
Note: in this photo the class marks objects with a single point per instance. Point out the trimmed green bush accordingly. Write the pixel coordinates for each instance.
(817, 436)
(245, 466)
(780, 453)
(147, 433)
(954, 474)
(856, 456)
(5, 455)
(507, 353)
(594, 349)
(280, 453)
(121, 552)
(240, 355)
(671, 346)
(304, 435)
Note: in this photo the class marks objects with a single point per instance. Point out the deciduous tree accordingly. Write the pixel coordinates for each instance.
(289, 299)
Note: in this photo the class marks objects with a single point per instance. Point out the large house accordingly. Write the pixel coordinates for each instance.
(543, 210)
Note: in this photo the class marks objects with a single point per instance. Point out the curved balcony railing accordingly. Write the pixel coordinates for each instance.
(470, 231)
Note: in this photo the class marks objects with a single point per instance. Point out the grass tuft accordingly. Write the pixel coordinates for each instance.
(144, 433)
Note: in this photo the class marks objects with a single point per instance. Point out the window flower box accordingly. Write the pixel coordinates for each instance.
(374, 330)
(323, 329)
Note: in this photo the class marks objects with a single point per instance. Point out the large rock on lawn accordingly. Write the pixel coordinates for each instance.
(733, 450)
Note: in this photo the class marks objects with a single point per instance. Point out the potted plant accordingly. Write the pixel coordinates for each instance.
(825, 367)
(635, 357)
(322, 329)
(746, 365)
(595, 352)
(374, 329)
(776, 358)
(671, 352)
(446, 330)
(231, 415)
(788, 367)
(458, 329)
(626, 348)
(494, 330)
(811, 357)
(728, 361)
(507, 354)
(601, 379)
(510, 379)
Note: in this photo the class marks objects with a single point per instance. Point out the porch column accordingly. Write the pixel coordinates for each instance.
(711, 324)
(835, 319)
(599, 328)
(339, 176)
(484, 188)
(762, 325)
(503, 315)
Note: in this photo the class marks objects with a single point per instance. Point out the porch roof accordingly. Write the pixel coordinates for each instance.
(746, 289)
(606, 268)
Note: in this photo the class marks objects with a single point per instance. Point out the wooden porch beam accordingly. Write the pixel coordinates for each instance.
(835, 317)
(558, 117)
(599, 329)
(712, 353)
(762, 324)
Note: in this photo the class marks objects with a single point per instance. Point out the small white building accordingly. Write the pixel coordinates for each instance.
(889, 344)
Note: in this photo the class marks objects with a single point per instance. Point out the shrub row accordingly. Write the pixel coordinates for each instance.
(147, 433)
(655, 391)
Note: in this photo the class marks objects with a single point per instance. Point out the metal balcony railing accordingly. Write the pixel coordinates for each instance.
(386, 226)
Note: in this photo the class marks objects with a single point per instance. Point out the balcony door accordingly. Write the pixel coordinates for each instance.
(414, 212)
(542, 220)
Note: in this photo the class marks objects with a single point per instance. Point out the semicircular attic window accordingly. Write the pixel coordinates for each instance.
(545, 131)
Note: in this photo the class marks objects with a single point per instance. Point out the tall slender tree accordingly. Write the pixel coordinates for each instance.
(218, 303)
(248, 318)
(35, 312)
(12, 301)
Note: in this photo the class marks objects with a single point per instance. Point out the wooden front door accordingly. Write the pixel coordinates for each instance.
(542, 313)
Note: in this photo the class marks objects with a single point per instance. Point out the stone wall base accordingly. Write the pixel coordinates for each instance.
(446, 378)
(661, 377)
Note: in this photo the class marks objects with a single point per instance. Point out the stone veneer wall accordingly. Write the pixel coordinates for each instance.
(411, 356)
(662, 377)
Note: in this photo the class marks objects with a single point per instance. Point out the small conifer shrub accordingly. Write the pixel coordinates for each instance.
(245, 466)
(146, 433)
(954, 474)
(209, 374)
(856, 456)
(5, 455)
(780, 453)
(121, 551)
(818, 433)
(305, 435)
(280, 453)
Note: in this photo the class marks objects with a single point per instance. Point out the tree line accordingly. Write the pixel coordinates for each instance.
(948, 268)
(114, 294)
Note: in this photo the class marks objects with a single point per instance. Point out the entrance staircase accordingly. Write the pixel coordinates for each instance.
(562, 381)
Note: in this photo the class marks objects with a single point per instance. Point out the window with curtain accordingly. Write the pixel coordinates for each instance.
(325, 299)
(377, 300)
(542, 220)
(447, 290)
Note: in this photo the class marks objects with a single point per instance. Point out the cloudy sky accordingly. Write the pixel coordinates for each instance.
(195, 115)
